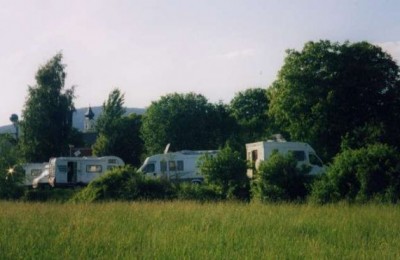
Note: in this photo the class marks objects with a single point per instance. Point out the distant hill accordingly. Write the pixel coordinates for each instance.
(7, 129)
(78, 118)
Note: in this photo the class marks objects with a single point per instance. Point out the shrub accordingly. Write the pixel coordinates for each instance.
(124, 183)
(191, 191)
(364, 174)
(226, 170)
(156, 189)
(11, 180)
(279, 179)
(11, 173)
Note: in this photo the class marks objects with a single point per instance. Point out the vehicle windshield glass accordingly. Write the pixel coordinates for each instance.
(148, 168)
(299, 155)
(314, 160)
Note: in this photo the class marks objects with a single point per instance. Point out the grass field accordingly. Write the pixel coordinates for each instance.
(189, 230)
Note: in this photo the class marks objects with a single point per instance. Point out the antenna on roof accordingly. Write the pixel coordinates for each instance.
(166, 148)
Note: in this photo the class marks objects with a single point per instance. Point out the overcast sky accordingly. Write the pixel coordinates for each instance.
(151, 48)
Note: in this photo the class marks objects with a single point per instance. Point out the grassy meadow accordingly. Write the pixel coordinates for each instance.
(190, 230)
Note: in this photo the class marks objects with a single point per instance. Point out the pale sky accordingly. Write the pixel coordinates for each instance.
(151, 48)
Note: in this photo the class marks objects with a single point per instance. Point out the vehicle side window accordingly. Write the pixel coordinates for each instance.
(172, 165)
(314, 160)
(180, 165)
(93, 168)
(299, 155)
(149, 167)
(62, 168)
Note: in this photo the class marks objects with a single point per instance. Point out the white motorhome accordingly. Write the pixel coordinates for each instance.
(302, 152)
(175, 166)
(70, 171)
(33, 171)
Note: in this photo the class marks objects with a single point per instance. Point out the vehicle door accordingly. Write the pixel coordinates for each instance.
(72, 173)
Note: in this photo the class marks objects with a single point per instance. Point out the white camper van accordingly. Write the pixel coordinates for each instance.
(69, 171)
(34, 171)
(175, 166)
(302, 152)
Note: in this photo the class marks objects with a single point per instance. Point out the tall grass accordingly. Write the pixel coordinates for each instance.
(170, 230)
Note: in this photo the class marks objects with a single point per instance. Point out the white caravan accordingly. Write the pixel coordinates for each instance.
(34, 174)
(302, 152)
(70, 171)
(175, 166)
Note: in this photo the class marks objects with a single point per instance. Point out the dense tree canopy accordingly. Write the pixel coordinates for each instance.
(11, 174)
(226, 170)
(329, 92)
(113, 109)
(368, 173)
(47, 114)
(187, 121)
(250, 108)
(118, 134)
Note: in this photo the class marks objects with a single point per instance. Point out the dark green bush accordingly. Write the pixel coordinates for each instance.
(199, 192)
(279, 179)
(364, 174)
(11, 173)
(227, 170)
(156, 189)
(125, 183)
(11, 182)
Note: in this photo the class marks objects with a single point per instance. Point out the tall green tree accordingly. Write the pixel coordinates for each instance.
(226, 170)
(113, 110)
(47, 114)
(249, 108)
(186, 121)
(118, 134)
(328, 92)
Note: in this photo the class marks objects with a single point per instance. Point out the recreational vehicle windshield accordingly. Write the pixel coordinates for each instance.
(175, 166)
(302, 152)
(69, 171)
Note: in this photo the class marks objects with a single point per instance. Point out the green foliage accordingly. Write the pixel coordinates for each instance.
(364, 174)
(47, 114)
(11, 182)
(187, 121)
(191, 191)
(118, 134)
(227, 171)
(124, 141)
(11, 173)
(329, 91)
(113, 110)
(126, 184)
(250, 108)
(279, 179)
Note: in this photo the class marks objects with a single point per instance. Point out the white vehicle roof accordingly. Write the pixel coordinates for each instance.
(273, 144)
